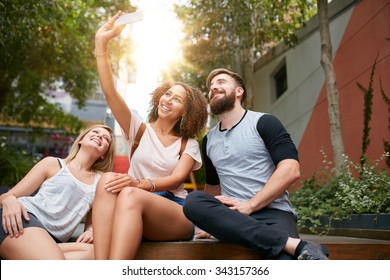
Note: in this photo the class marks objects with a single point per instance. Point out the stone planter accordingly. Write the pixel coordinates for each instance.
(375, 226)
(359, 221)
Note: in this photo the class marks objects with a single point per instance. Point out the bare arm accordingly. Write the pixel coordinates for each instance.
(13, 210)
(88, 221)
(172, 181)
(43, 170)
(286, 173)
(115, 101)
(87, 235)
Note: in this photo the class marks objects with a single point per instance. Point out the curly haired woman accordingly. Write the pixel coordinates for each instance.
(147, 202)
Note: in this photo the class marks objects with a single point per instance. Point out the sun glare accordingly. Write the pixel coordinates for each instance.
(156, 40)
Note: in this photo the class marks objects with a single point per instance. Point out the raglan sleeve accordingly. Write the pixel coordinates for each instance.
(212, 177)
(276, 139)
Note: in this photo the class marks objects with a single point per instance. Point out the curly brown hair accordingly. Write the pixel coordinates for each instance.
(194, 118)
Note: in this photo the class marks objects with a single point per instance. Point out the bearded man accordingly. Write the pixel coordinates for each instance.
(250, 163)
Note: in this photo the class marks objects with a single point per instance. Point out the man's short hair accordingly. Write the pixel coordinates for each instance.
(235, 76)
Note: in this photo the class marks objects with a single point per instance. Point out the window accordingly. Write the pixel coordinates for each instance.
(280, 80)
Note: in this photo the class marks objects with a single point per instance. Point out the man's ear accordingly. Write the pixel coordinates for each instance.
(239, 91)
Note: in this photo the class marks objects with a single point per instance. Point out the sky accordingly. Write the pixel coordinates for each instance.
(156, 39)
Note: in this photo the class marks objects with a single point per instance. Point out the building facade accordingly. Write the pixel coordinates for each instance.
(290, 82)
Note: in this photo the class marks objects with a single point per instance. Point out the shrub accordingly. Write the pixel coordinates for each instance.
(359, 189)
(14, 164)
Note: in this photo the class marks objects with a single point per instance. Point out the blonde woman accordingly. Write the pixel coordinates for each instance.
(147, 202)
(35, 227)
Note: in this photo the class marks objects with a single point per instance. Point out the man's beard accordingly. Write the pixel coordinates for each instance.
(222, 104)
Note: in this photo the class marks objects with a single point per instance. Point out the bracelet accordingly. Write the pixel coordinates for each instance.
(153, 185)
(95, 54)
(141, 184)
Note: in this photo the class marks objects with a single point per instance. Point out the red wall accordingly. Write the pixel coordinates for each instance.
(366, 37)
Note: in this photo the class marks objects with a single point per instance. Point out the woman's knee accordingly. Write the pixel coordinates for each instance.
(100, 190)
(130, 197)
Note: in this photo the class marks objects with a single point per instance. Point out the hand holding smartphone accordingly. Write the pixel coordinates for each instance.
(130, 18)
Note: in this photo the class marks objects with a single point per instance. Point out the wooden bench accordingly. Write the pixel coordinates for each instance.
(340, 248)
(205, 249)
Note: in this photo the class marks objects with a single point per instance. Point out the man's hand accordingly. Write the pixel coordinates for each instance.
(235, 204)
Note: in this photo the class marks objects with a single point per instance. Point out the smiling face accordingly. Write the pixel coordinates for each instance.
(97, 137)
(171, 103)
(98, 141)
(222, 94)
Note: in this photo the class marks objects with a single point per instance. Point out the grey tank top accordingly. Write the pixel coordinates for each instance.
(61, 202)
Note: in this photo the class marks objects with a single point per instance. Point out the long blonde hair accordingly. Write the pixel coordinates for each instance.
(103, 165)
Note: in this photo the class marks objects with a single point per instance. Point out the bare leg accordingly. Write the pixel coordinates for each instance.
(34, 244)
(77, 251)
(139, 213)
(102, 218)
(291, 245)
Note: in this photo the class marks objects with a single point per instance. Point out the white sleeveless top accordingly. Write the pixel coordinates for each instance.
(61, 203)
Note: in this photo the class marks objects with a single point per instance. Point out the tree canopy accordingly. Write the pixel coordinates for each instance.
(46, 44)
(234, 33)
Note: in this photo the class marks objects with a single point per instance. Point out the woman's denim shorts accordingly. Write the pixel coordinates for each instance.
(169, 195)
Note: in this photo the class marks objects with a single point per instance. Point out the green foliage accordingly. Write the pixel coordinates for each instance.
(356, 190)
(14, 164)
(386, 143)
(48, 42)
(368, 96)
(234, 33)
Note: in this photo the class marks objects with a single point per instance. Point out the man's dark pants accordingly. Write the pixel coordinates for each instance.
(266, 230)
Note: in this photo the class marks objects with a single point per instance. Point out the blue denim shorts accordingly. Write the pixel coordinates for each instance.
(169, 195)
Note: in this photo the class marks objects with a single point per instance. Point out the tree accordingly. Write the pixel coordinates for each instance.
(46, 44)
(331, 86)
(234, 34)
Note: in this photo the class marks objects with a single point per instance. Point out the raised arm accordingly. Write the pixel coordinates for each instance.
(115, 101)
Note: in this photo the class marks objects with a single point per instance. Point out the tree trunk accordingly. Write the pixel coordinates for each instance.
(248, 72)
(5, 89)
(331, 85)
(247, 69)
